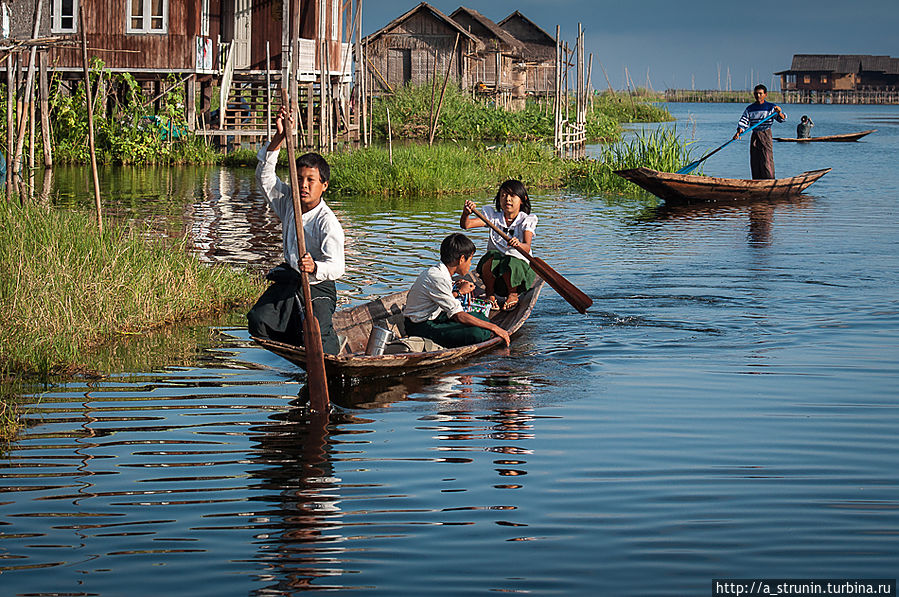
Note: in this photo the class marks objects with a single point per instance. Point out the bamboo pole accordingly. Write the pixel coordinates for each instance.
(90, 117)
(268, 91)
(433, 94)
(45, 109)
(10, 119)
(32, 129)
(26, 108)
(449, 67)
(389, 138)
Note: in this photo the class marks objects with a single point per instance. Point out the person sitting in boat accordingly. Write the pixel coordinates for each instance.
(503, 269)
(278, 312)
(804, 128)
(761, 144)
(433, 312)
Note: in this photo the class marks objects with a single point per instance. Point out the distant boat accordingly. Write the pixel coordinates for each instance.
(846, 137)
(679, 189)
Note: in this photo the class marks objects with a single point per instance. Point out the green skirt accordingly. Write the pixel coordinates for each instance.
(520, 273)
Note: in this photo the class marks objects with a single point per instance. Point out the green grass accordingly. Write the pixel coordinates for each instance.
(659, 149)
(464, 118)
(463, 168)
(65, 289)
(442, 169)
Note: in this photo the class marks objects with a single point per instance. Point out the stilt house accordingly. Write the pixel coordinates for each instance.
(238, 46)
(538, 59)
(493, 65)
(416, 45)
(828, 72)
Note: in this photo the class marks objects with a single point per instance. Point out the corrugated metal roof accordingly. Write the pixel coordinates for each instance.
(843, 63)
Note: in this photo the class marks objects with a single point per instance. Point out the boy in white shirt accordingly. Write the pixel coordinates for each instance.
(433, 312)
(278, 312)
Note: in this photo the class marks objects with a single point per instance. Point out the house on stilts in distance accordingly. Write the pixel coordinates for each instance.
(841, 79)
(508, 62)
(235, 49)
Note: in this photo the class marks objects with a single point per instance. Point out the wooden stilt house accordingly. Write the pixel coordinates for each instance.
(493, 64)
(236, 46)
(538, 60)
(417, 45)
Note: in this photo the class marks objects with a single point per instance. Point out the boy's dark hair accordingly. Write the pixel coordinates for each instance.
(314, 160)
(760, 86)
(454, 247)
(514, 187)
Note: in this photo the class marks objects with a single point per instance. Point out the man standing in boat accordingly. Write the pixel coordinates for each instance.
(804, 128)
(761, 146)
(277, 314)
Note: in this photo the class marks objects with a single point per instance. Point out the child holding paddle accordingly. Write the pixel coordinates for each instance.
(276, 315)
(503, 268)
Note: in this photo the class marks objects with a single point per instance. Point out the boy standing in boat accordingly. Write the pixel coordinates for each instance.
(761, 146)
(433, 312)
(278, 312)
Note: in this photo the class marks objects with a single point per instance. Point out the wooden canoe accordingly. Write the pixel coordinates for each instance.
(690, 188)
(831, 138)
(356, 324)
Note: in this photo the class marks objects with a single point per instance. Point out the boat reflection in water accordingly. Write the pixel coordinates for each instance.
(328, 491)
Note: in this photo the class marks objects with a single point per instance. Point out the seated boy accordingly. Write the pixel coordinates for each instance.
(433, 312)
(277, 314)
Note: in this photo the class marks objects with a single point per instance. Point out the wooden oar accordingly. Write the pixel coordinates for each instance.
(316, 377)
(692, 165)
(569, 291)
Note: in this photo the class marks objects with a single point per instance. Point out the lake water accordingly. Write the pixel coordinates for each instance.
(727, 409)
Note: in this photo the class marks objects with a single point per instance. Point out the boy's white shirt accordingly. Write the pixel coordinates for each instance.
(431, 294)
(322, 231)
(522, 222)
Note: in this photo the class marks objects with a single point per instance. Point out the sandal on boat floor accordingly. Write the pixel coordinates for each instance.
(510, 303)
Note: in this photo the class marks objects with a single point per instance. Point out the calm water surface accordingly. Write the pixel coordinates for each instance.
(728, 408)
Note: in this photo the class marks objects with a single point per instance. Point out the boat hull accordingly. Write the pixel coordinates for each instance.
(356, 325)
(689, 188)
(828, 138)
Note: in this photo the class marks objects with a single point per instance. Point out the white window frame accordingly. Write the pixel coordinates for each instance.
(147, 18)
(56, 17)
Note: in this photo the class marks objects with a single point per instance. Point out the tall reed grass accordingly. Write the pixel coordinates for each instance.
(464, 118)
(65, 289)
(658, 149)
(441, 169)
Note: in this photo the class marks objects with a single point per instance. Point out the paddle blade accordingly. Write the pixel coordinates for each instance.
(689, 167)
(566, 289)
(316, 377)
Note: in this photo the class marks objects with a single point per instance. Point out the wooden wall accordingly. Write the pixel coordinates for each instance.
(106, 23)
(408, 52)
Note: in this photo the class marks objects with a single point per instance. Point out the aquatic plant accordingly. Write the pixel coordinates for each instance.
(465, 118)
(130, 131)
(445, 168)
(65, 288)
(659, 149)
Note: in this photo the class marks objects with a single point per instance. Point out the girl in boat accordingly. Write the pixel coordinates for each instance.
(503, 269)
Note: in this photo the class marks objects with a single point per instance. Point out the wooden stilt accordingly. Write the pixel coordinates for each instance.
(90, 118)
(45, 110)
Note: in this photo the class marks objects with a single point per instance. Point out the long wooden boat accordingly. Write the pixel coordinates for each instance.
(833, 138)
(356, 324)
(690, 188)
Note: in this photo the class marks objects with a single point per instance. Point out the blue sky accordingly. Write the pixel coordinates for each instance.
(685, 44)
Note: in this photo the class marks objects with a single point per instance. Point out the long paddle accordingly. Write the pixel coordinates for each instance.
(692, 165)
(316, 377)
(566, 289)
